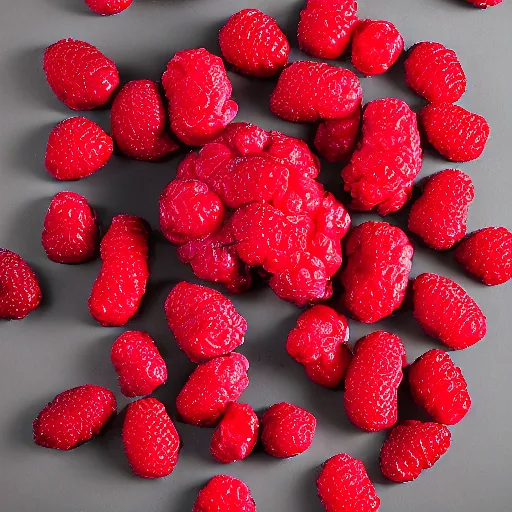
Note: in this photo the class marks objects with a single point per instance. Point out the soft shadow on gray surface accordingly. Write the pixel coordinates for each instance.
(71, 6)
(305, 490)
(20, 432)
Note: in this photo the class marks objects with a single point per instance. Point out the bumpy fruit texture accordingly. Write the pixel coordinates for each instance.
(211, 387)
(487, 254)
(376, 276)
(372, 380)
(287, 430)
(439, 387)
(253, 43)
(19, 288)
(79, 74)
(343, 485)
(121, 284)
(198, 90)
(224, 493)
(411, 448)
(108, 7)
(236, 435)
(74, 417)
(387, 160)
(439, 216)
(447, 312)
(483, 4)
(150, 439)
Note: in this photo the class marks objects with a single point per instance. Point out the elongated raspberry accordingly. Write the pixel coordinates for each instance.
(483, 4)
(108, 7)
(224, 492)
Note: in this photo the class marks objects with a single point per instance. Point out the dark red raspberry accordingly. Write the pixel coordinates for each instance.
(74, 417)
(483, 4)
(108, 7)
(224, 493)
(77, 148)
(447, 312)
(79, 74)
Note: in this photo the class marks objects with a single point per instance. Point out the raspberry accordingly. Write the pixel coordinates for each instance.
(287, 430)
(198, 90)
(118, 290)
(235, 437)
(343, 485)
(138, 122)
(203, 321)
(376, 46)
(224, 493)
(319, 342)
(372, 381)
(487, 254)
(439, 387)
(211, 387)
(108, 7)
(252, 42)
(411, 448)
(459, 135)
(19, 288)
(79, 74)
(70, 232)
(376, 276)
(434, 72)
(325, 27)
(77, 148)
(483, 4)
(138, 364)
(439, 216)
(447, 312)
(74, 417)
(150, 439)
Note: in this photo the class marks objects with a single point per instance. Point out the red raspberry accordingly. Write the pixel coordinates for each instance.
(235, 437)
(376, 46)
(411, 448)
(224, 493)
(77, 148)
(198, 89)
(439, 387)
(459, 135)
(19, 288)
(118, 290)
(434, 72)
(211, 387)
(79, 74)
(138, 122)
(372, 380)
(287, 430)
(252, 42)
(487, 254)
(483, 4)
(138, 364)
(74, 417)
(108, 7)
(447, 312)
(343, 486)
(70, 232)
(203, 321)
(150, 439)
(376, 276)
(439, 216)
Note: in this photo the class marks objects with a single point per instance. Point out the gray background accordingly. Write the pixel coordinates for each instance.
(59, 346)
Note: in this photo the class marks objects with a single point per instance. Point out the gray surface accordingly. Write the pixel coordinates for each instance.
(59, 346)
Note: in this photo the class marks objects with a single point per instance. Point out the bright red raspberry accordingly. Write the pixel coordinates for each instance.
(77, 148)
(483, 4)
(138, 364)
(224, 493)
(447, 312)
(411, 448)
(459, 135)
(150, 439)
(211, 387)
(487, 254)
(287, 430)
(19, 288)
(199, 91)
(372, 380)
(108, 7)
(439, 387)
(70, 233)
(439, 216)
(434, 72)
(235, 437)
(343, 486)
(121, 284)
(74, 417)
(79, 74)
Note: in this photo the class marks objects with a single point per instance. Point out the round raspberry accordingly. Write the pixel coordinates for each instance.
(224, 493)
(108, 7)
